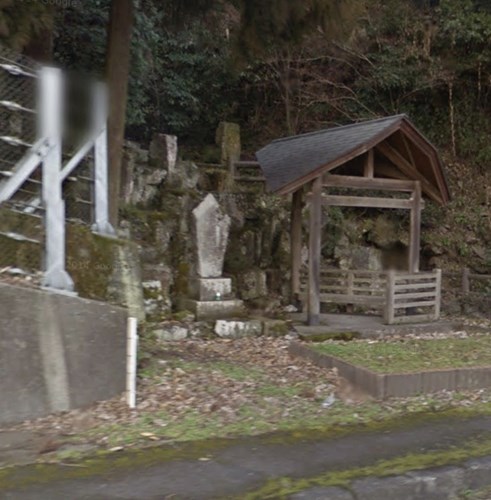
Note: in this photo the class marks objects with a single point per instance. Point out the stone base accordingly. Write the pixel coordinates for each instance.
(206, 289)
(214, 309)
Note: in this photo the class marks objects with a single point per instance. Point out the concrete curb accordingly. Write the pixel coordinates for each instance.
(398, 385)
(438, 483)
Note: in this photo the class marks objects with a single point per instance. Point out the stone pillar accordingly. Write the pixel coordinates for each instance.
(163, 154)
(211, 294)
(228, 138)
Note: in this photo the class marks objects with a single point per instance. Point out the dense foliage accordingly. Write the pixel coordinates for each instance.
(282, 66)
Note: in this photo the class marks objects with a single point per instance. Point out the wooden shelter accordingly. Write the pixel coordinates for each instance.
(388, 155)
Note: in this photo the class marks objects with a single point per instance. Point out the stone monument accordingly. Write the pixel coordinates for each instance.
(211, 293)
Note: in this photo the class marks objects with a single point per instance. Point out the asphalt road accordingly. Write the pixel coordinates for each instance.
(245, 465)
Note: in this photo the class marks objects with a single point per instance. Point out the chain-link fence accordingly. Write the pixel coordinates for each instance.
(21, 215)
(30, 96)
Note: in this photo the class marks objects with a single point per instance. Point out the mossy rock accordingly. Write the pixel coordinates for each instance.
(90, 261)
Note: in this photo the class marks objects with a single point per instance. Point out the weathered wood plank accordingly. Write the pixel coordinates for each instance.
(365, 202)
(415, 286)
(389, 301)
(414, 277)
(418, 295)
(438, 273)
(368, 167)
(296, 241)
(315, 227)
(415, 230)
(406, 168)
(404, 305)
(408, 149)
(345, 181)
(351, 299)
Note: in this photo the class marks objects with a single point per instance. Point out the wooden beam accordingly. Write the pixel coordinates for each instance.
(366, 202)
(315, 252)
(408, 149)
(427, 148)
(415, 230)
(352, 182)
(296, 242)
(390, 170)
(368, 167)
(395, 157)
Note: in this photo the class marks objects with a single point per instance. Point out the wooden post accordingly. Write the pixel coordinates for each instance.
(466, 287)
(465, 281)
(438, 293)
(369, 165)
(389, 298)
(315, 252)
(296, 242)
(415, 230)
(350, 292)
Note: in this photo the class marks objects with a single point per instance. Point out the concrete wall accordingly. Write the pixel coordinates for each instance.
(57, 352)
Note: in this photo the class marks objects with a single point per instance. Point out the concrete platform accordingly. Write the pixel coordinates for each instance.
(366, 325)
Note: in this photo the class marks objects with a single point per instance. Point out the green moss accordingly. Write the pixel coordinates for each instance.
(413, 355)
(323, 336)
(27, 225)
(152, 293)
(284, 487)
(90, 261)
(181, 283)
(105, 462)
(276, 328)
(23, 254)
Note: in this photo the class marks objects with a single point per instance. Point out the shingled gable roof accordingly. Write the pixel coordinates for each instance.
(290, 162)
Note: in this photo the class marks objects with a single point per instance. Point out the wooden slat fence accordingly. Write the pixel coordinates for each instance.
(418, 294)
(401, 297)
(351, 287)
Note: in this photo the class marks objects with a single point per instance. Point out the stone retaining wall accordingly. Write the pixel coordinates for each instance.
(439, 483)
(386, 385)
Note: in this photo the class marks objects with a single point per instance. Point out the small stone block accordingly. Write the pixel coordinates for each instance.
(238, 329)
(206, 289)
(219, 309)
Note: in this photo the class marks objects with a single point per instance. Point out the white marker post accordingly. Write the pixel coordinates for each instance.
(131, 361)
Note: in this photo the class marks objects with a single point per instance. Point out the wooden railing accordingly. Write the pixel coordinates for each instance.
(351, 287)
(395, 294)
(419, 293)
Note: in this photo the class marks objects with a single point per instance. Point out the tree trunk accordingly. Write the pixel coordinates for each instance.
(117, 73)
(40, 46)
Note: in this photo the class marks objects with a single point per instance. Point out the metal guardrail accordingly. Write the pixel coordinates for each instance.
(35, 183)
